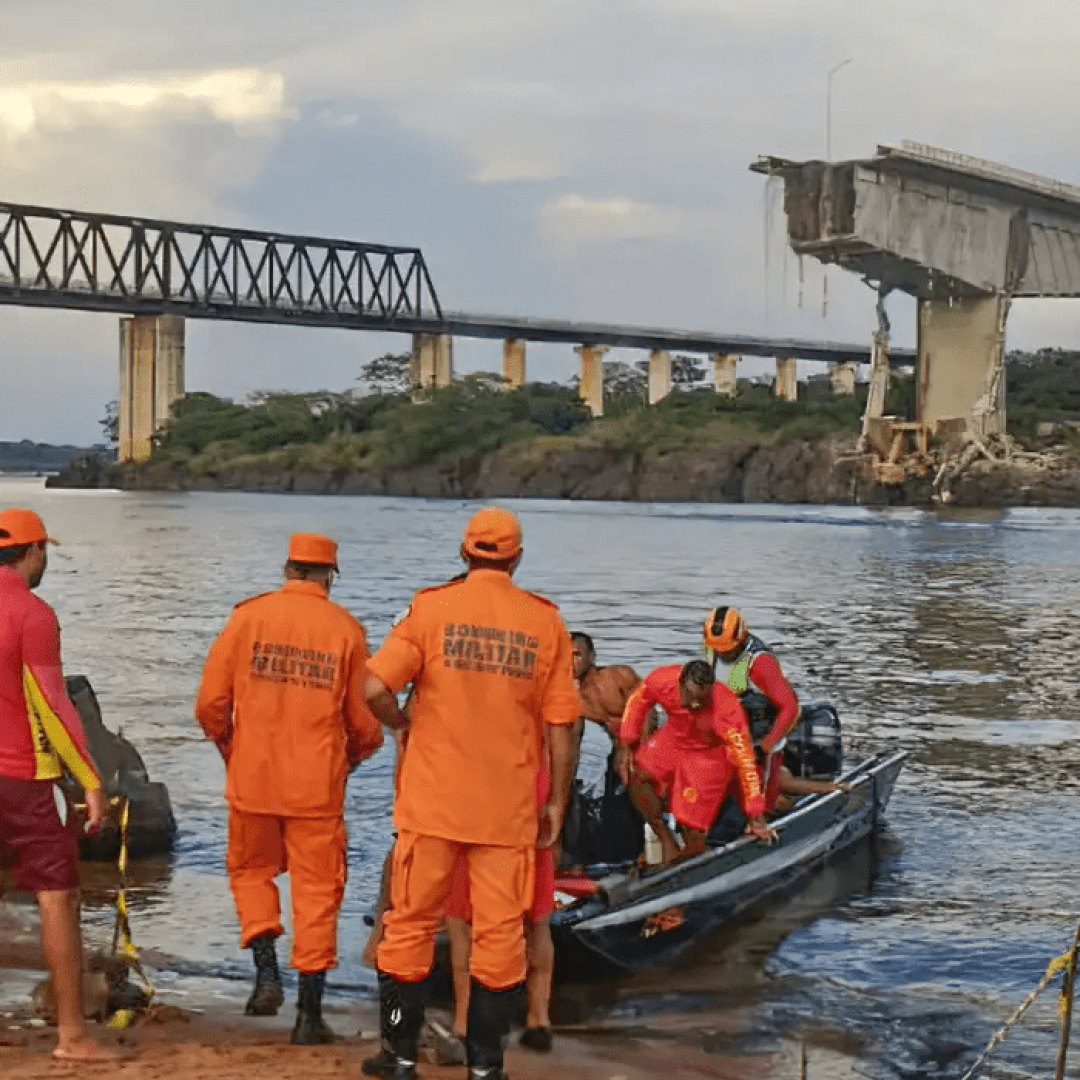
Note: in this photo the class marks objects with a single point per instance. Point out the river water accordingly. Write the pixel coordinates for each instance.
(951, 635)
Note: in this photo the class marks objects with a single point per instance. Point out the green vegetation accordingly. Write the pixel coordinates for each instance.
(385, 426)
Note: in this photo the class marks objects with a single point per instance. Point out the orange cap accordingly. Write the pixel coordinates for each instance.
(313, 549)
(22, 527)
(492, 534)
(725, 630)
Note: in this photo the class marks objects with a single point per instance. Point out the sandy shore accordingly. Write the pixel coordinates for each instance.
(222, 1045)
(192, 1037)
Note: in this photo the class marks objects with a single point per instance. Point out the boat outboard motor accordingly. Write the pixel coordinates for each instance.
(814, 748)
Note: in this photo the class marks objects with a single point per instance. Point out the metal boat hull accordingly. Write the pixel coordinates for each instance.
(640, 922)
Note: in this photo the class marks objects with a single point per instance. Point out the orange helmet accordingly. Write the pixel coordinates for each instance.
(725, 630)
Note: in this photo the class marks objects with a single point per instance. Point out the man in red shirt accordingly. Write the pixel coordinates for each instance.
(492, 679)
(41, 736)
(753, 666)
(695, 757)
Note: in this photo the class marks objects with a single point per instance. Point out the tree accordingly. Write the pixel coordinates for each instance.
(387, 374)
(687, 371)
(630, 380)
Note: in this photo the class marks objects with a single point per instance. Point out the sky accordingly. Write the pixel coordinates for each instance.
(571, 159)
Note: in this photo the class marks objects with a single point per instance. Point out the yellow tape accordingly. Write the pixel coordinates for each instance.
(122, 941)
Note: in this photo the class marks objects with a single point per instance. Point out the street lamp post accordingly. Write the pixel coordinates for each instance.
(828, 106)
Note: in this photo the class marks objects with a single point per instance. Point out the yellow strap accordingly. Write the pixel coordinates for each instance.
(122, 942)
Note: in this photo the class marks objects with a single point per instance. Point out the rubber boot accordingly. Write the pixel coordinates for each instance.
(401, 1017)
(491, 1013)
(310, 1029)
(268, 995)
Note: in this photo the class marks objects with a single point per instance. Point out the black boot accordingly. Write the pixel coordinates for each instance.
(310, 1029)
(401, 1016)
(268, 995)
(490, 1015)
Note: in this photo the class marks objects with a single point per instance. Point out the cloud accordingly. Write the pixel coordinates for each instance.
(237, 96)
(576, 219)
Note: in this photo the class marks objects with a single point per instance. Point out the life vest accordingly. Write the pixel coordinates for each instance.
(739, 675)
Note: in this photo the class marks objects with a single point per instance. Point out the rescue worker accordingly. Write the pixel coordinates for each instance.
(690, 763)
(282, 698)
(40, 736)
(491, 672)
(753, 666)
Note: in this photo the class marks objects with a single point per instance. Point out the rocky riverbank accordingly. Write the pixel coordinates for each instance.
(823, 471)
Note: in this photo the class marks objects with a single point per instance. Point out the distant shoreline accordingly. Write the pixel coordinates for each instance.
(811, 472)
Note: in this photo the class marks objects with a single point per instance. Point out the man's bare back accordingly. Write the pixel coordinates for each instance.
(604, 691)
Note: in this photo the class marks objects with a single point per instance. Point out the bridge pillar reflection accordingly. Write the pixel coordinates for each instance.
(432, 360)
(151, 379)
(961, 349)
(842, 377)
(514, 362)
(725, 372)
(786, 386)
(659, 375)
(591, 386)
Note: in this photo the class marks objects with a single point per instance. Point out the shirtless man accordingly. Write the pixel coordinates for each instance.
(604, 692)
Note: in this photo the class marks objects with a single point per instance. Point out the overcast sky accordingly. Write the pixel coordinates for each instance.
(579, 159)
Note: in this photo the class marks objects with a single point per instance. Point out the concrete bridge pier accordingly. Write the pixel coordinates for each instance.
(591, 386)
(786, 386)
(432, 360)
(842, 378)
(659, 375)
(725, 374)
(514, 362)
(151, 379)
(961, 352)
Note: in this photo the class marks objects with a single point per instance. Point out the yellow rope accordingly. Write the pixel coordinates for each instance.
(1053, 969)
(123, 945)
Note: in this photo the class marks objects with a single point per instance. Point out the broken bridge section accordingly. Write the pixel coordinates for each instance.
(964, 237)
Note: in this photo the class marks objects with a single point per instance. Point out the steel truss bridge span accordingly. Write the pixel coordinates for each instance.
(139, 266)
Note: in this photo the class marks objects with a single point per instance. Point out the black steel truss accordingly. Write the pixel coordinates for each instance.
(135, 266)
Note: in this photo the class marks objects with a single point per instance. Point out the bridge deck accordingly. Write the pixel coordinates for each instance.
(139, 266)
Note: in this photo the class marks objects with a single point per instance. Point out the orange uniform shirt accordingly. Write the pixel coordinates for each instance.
(490, 664)
(282, 696)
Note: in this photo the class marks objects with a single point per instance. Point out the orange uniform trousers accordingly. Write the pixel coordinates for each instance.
(501, 888)
(312, 849)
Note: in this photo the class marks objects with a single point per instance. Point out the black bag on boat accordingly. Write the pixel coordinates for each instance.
(602, 827)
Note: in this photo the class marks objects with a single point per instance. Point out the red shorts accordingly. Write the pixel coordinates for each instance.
(695, 783)
(40, 849)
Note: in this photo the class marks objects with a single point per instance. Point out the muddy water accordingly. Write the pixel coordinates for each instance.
(954, 637)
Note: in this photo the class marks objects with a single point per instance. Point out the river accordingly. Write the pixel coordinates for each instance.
(953, 636)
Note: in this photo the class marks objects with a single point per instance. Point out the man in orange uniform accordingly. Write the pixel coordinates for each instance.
(40, 736)
(694, 758)
(490, 666)
(282, 697)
